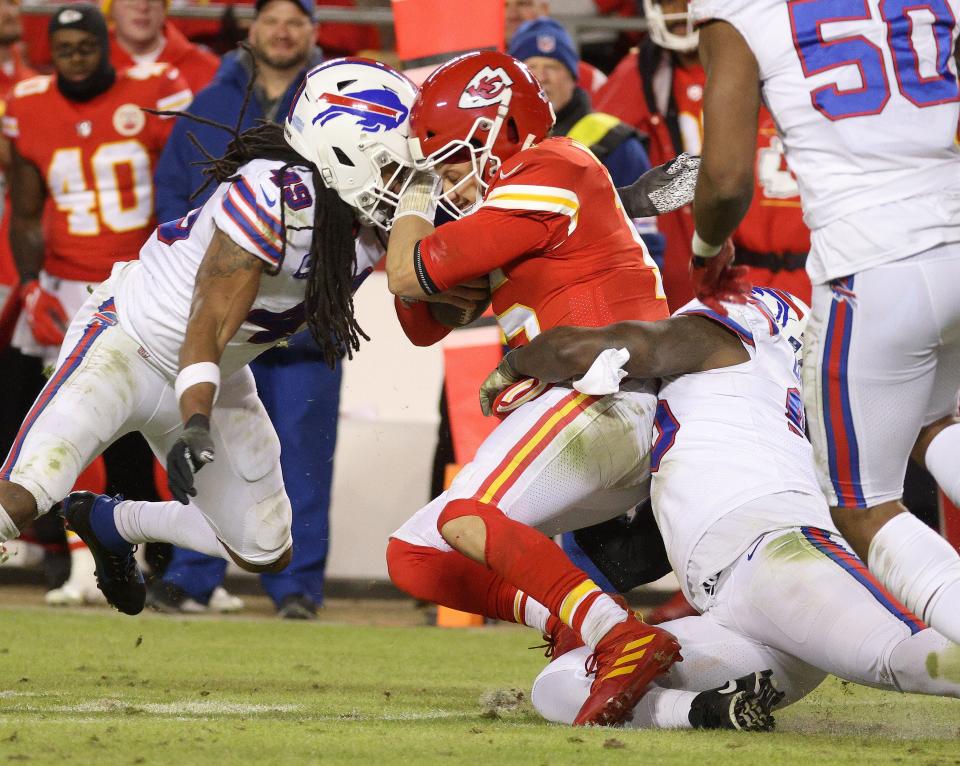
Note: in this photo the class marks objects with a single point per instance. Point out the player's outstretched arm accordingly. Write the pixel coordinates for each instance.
(731, 104)
(226, 286)
(227, 283)
(672, 346)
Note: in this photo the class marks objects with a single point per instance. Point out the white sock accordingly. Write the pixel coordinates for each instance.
(602, 612)
(8, 530)
(663, 709)
(921, 569)
(183, 525)
(926, 663)
(943, 461)
(530, 612)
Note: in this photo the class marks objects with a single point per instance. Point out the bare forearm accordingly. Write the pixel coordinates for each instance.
(731, 104)
(26, 244)
(227, 284)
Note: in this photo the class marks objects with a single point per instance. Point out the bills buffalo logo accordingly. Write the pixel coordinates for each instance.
(488, 86)
(375, 110)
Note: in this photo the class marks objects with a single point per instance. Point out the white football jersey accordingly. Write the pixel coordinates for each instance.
(865, 96)
(726, 437)
(153, 295)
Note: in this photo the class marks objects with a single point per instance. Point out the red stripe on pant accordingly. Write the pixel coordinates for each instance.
(534, 453)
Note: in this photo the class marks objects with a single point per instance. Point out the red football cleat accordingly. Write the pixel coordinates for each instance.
(560, 638)
(626, 660)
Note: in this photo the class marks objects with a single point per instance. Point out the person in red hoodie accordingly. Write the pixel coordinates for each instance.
(141, 34)
(658, 88)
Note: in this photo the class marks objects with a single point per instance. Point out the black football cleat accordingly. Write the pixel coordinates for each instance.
(743, 705)
(118, 575)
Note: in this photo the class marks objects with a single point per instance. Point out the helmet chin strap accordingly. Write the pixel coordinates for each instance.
(487, 156)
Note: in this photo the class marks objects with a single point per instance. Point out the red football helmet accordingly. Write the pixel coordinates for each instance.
(482, 107)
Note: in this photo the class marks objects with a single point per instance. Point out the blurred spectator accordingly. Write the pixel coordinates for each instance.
(544, 46)
(142, 35)
(658, 89)
(518, 12)
(81, 190)
(300, 393)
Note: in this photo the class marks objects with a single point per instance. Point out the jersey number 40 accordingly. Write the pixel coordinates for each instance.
(119, 205)
(906, 21)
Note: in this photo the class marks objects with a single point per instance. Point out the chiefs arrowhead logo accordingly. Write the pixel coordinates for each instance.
(486, 87)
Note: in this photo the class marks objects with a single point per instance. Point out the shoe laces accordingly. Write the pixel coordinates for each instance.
(121, 567)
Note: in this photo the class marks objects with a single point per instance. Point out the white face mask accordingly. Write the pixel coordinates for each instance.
(659, 26)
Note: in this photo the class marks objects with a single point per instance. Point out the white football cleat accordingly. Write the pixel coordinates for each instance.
(224, 602)
(19, 553)
(73, 594)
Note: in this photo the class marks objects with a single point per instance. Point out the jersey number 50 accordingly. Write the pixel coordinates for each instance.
(905, 21)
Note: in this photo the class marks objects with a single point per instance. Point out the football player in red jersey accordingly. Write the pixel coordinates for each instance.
(541, 220)
(81, 188)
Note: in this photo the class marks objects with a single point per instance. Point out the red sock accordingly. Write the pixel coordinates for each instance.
(524, 557)
(450, 579)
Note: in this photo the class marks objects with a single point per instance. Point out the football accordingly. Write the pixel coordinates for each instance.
(453, 316)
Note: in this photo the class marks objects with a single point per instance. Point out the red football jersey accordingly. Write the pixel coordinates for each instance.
(97, 159)
(558, 247)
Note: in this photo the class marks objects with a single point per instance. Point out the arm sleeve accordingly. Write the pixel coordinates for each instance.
(418, 323)
(474, 246)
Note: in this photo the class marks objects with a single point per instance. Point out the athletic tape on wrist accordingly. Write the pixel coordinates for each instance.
(419, 198)
(704, 249)
(200, 372)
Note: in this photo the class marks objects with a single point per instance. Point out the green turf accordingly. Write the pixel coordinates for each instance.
(98, 688)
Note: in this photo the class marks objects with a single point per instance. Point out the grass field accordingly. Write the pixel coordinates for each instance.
(93, 687)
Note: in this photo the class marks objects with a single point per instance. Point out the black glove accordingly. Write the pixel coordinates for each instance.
(662, 189)
(191, 452)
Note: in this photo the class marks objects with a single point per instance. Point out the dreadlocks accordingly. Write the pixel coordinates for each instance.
(329, 294)
(329, 299)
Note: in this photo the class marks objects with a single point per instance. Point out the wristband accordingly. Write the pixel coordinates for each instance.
(200, 372)
(704, 249)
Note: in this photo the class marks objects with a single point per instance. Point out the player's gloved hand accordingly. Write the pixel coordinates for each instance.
(504, 375)
(662, 189)
(716, 279)
(45, 315)
(191, 452)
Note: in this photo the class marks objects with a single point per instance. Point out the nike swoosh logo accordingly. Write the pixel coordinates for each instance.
(270, 202)
(512, 172)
